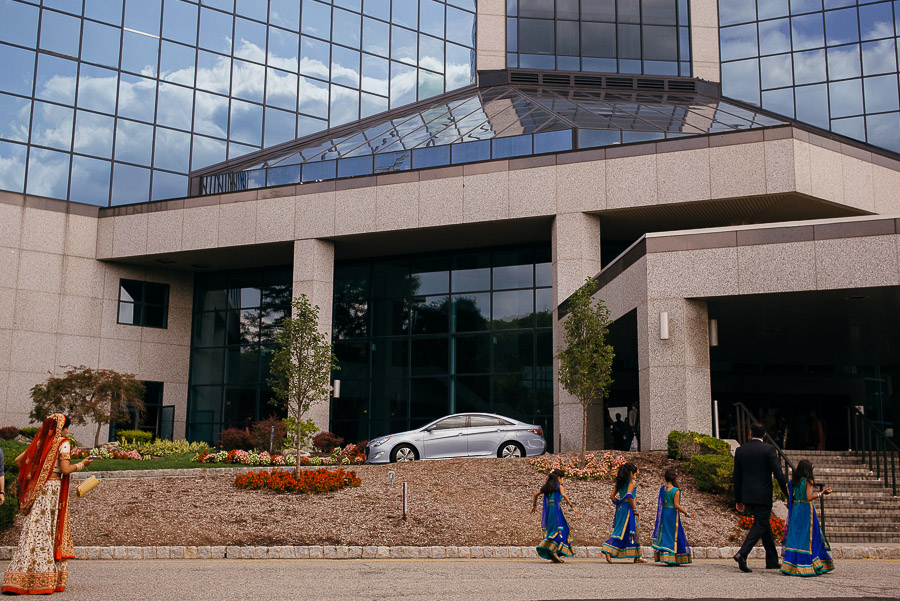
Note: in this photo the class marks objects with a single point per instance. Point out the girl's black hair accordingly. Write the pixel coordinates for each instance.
(804, 469)
(67, 421)
(624, 474)
(552, 483)
(671, 476)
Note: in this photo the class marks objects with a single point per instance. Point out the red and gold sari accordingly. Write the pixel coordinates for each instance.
(39, 564)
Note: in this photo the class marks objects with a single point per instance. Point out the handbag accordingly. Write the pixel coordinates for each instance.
(87, 485)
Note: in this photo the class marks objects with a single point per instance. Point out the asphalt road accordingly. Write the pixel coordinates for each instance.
(452, 580)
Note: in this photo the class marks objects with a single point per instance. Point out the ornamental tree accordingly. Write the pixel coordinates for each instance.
(302, 363)
(585, 360)
(87, 394)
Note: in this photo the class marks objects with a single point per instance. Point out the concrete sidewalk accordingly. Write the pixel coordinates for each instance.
(466, 580)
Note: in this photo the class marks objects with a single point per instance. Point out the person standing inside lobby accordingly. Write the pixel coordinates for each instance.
(755, 463)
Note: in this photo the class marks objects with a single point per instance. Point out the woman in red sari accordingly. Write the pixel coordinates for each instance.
(45, 544)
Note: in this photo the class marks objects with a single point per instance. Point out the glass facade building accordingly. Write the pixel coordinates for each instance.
(112, 102)
(423, 336)
(832, 64)
(235, 319)
(609, 36)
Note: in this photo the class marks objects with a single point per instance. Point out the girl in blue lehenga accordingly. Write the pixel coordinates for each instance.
(557, 540)
(805, 551)
(624, 543)
(670, 545)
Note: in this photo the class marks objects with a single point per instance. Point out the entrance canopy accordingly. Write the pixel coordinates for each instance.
(493, 122)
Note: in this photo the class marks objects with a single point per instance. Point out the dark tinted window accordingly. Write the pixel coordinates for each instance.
(143, 303)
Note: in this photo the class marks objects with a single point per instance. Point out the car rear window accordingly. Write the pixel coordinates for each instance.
(484, 420)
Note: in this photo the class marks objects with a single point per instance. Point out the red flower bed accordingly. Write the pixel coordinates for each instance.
(309, 481)
(776, 523)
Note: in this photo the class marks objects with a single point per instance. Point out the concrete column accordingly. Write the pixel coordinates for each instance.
(705, 39)
(490, 43)
(673, 373)
(576, 256)
(314, 277)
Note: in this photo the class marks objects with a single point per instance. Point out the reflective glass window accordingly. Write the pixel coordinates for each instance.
(283, 50)
(108, 11)
(732, 12)
(805, 6)
(94, 134)
(48, 172)
(879, 57)
(881, 130)
(629, 41)
(738, 42)
(180, 21)
(316, 19)
(345, 66)
(348, 24)
(843, 62)
(97, 89)
(15, 115)
(460, 27)
(812, 104)
(19, 24)
(403, 84)
(403, 45)
(12, 177)
(841, 27)
(374, 75)
(176, 106)
(176, 63)
(134, 142)
(431, 17)
(249, 40)
(313, 98)
(55, 79)
(881, 93)
(213, 72)
(211, 114)
(740, 80)
(206, 151)
(281, 89)
(460, 67)
(248, 81)
(90, 181)
(60, 33)
(172, 150)
(776, 71)
(658, 12)
(628, 11)
(854, 127)
(809, 67)
(137, 97)
(216, 30)
(130, 184)
(779, 101)
(100, 44)
(246, 123)
(845, 98)
(285, 13)
(18, 70)
(807, 32)
(144, 16)
(876, 21)
(775, 36)
(140, 53)
(659, 43)
(598, 39)
(315, 57)
(252, 9)
(344, 105)
(536, 36)
(280, 127)
(51, 126)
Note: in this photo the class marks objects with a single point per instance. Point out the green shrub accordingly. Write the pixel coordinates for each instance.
(133, 436)
(11, 450)
(29, 432)
(685, 445)
(166, 448)
(713, 473)
(10, 506)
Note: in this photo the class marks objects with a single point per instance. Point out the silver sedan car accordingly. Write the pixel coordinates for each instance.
(460, 435)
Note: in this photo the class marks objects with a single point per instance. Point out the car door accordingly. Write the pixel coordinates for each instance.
(445, 438)
(484, 435)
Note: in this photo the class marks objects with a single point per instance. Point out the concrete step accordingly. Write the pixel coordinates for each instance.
(864, 537)
(842, 528)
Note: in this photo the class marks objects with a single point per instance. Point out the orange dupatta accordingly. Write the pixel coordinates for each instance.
(37, 463)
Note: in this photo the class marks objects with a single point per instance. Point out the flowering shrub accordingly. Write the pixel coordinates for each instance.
(165, 448)
(241, 457)
(107, 454)
(325, 441)
(595, 468)
(777, 524)
(307, 481)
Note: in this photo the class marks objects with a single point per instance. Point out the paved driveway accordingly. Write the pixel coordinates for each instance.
(462, 580)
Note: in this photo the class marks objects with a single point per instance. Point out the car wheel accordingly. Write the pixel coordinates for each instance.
(403, 453)
(509, 450)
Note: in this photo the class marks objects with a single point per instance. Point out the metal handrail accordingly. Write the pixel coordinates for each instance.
(873, 447)
(744, 419)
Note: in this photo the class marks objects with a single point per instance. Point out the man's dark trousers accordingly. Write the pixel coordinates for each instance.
(761, 528)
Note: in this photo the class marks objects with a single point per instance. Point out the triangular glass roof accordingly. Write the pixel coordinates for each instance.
(496, 122)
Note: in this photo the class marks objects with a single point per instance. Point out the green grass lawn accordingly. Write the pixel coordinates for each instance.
(165, 463)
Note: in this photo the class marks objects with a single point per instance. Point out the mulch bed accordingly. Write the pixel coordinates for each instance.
(452, 502)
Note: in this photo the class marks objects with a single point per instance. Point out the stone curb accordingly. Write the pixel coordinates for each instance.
(195, 471)
(404, 552)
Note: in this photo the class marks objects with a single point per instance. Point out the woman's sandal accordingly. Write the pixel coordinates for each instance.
(608, 558)
(555, 558)
(640, 560)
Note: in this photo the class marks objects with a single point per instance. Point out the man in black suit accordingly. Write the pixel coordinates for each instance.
(755, 462)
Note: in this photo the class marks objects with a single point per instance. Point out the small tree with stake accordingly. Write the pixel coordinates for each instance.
(585, 362)
(87, 394)
(302, 364)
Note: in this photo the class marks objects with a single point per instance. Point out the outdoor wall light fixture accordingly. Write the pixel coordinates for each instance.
(664, 325)
(713, 332)
(336, 389)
